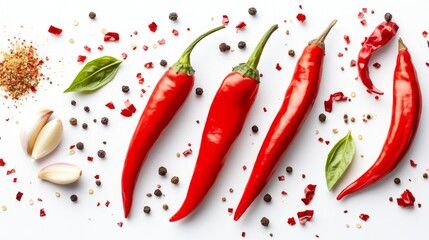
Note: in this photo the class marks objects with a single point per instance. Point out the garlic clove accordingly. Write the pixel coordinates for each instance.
(60, 173)
(31, 126)
(48, 139)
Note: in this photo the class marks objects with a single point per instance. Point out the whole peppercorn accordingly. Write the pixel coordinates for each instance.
(163, 63)
(199, 91)
(98, 182)
(146, 209)
(175, 180)
(255, 129)
(165, 206)
(73, 102)
(104, 120)
(291, 53)
(73, 198)
(267, 197)
(425, 175)
(162, 171)
(289, 169)
(322, 117)
(223, 47)
(101, 153)
(173, 16)
(397, 181)
(125, 88)
(388, 17)
(86, 109)
(79, 145)
(252, 11)
(84, 125)
(241, 45)
(73, 121)
(157, 192)
(265, 221)
(92, 15)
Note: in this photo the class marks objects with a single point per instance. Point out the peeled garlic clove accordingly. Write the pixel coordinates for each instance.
(31, 126)
(60, 173)
(48, 139)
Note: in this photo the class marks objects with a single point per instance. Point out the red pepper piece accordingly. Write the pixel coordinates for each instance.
(298, 101)
(55, 30)
(407, 199)
(166, 99)
(382, 34)
(406, 111)
(225, 120)
(111, 37)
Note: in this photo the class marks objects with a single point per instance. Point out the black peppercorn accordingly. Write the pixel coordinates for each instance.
(291, 53)
(73, 198)
(73, 121)
(101, 153)
(425, 175)
(265, 221)
(388, 17)
(289, 169)
(199, 91)
(162, 171)
(267, 197)
(163, 63)
(255, 129)
(125, 89)
(86, 109)
(175, 180)
(397, 181)
(157, 192)
(241, 45)
(223, 47)
(92, 15)
(165, 206)
(73, 102)
(173, 16)
(252, 11)
(79, 145)
(104, 120)
(322, 117)
(84, 125)
(98, 182)
(146, 209)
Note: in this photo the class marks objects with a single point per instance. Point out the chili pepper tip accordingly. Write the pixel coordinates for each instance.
(401, 44)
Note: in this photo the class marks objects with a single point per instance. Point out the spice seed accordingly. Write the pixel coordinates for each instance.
(104, 120)
(86, 109)
(199, 91)
(165, 206)
(175, 180)
(265, 221)
(223, 47)
(146, 209)
(397, 181)
(162, 171)
(73, 198)
(101, 153)
(163, 63)
(157, 193)
(73, 102)
(388, 17)
(425, 175)
(79, 145)
(73, 121)
(291, 53)
(173, 16)
(255, 129)
(84, 125)
(289, 169)
(322, 117)
(92, 15)
(267, 197)
(98, 182)
(125, 88)
(241, 45)
(252, 11)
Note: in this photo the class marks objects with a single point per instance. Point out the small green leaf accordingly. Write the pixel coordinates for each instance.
(339, 159)
(95, 74)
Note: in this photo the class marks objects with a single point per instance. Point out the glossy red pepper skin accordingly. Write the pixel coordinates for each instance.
(166, 99)
(297, 104)
(381, 35)
(406, 111)
(224, 123)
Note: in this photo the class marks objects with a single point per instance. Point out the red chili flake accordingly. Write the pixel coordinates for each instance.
(126, 112)
(347, 39)
(19, 196)
(110, 105)
(135, 32)
(2, 162)
(412, 163)
(187, 152)
(361, 15)
(346, 211)
(283, 193)
(230, 210)
(88, 49)
(175, 32)
(340, 54)
(89, 158)
(148, 65)
(281, 178)
(15, 179)
(364, 216)
(243, 234)
(141, 80)
(188, 29)
(111, 37)
(72, 146)
(309, 192)
(244, 167)
(376, 65)
(145, 48)
(153, 27)
(97, 176)
(42, 212)
(327, 142)
(265, 109)
(120, 224)
(425, 34)
(39, 200)
(81, 58)
(427, 64)
(301, 17)
(377, 97)
(55, 30)
(225, 20)
(305, 216)
(161, 42)
(353, 63)
(278, 67)
(291, 221)
(8, 172)
(406, 200)
(419, 205)
(338, 96)
(100, 47)
(365, 10)
(130, 106)
(372, 11)
(241, 25)
(143, 90)
(98, 204)
(320, 139)
(363, 22)
(107, 203)
(124, 56)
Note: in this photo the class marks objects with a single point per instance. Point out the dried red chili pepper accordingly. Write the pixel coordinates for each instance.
(381, 35)
(298, 101)
(406, 111)
(166, 99)
(225, 120)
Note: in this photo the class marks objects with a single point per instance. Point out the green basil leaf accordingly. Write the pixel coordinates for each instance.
(95, 74)
(339, 159)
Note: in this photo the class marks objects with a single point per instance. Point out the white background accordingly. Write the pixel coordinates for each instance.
(30, 20)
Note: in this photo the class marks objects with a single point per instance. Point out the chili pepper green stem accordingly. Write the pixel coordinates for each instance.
(183, 65)
(320, 41)
(250, 68)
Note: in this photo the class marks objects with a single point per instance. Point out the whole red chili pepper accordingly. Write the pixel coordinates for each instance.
(406, 111)
(225, 120)
(166, 99)
(382, 34)
(298, 101)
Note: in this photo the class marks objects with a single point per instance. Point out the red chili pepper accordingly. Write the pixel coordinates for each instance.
(406, 111)
(298, 101)
(225, 120)
(167, 97)
(382, 34)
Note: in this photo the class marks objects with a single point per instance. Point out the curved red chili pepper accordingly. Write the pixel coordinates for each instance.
(381, 35)
(298, 101)
(166, 99)
(406, 111)
(225, 120)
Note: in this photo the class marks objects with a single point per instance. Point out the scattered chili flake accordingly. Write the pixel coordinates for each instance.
(124, 56)
(412, 163)
(278, 67)
(81, 58)
(225, 20)
(309, 192)
(264, 109)
(148, 65)
(230, 211)
(2, 162)
(126, 112)
(153, 27)
(291, 221)
(427, 63)
(376, 65)
(161, 42)
(301, 17)
(88, 49)
(243, 234)
(107, 203)
(111, 37)
(187, 152)
(305, 216)
(361, 15)
(281, 178)
(100, 47)
(175, 32)
(340, 54)
(363, 22)
(353, 63)
(110, 105)
(406, 200)
(55, 30)
(320, 139)
(283, 193)
(145, 48)
(120, 224)
(42, 212)
(425, 34)
(89, 158)
(19, 196)
(8, 172)
(364, 216)
(241, 25)
(338, 96)
(347, 39)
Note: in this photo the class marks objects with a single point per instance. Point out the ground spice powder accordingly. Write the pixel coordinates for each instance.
(20, 69)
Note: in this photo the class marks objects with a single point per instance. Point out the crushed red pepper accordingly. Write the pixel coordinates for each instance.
(309, 192)
(305, 216)
(406, 200)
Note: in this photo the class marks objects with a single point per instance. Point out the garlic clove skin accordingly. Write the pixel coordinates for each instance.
(48, 139)
(31, 127)
(60, 173)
